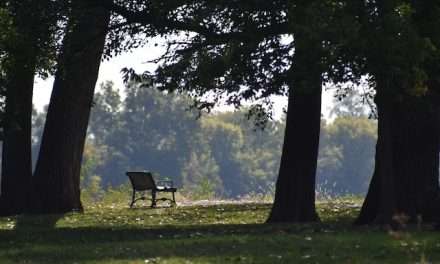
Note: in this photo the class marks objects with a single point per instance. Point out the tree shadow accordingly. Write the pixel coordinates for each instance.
(129, 244)
(247, 243)
(36, 222)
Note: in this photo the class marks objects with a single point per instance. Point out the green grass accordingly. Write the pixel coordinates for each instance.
(233, 233)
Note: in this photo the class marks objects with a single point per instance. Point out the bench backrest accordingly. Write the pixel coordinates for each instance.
(141, 180)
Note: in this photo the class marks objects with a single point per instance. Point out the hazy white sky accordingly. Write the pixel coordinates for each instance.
(110, 70)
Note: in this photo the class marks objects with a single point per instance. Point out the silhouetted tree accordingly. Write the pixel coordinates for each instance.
(28, 45)
(56, 182)
(401, 55)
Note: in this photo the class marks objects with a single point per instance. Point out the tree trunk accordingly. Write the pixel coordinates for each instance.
(295, 187)
(408, 145)
(56, 183)
(385, 161)
(372, 200)
(16, 153)
(16, 156)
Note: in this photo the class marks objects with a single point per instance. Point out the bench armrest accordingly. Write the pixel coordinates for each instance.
(168, 184)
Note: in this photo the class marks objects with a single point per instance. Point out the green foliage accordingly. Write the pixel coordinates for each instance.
(34, 30)
(30, 35)
(224, 154)
(5, 33)
(107, 104)
(217, 155)
(239, 50)
(395, 46)
(200, 176)
(225, 140)
(91, 184)
(346, 157)
(93, 192)
(243, 51)
(117, 195)
(211, 156)
(148, 130)
(92, 158)
(354, 102)
(255, 153)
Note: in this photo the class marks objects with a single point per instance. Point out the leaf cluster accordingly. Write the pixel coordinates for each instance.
(397, 45)
(237, 51)
(233, 51)
(34, 28)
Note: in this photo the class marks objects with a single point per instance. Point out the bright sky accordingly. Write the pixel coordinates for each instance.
(111, 71)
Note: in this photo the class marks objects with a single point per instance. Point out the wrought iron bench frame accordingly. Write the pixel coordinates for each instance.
(142, 181)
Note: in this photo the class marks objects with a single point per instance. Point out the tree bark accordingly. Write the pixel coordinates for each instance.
(16, 156)
(16, 152)
(407, 189)
(295, 187)
(384, 161)
(56, 182)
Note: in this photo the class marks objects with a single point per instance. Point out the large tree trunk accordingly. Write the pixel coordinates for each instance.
(405, 185)
(295, 187)
(56, 182)
(416, 159)
(384, 207)
(16, 156)
(16, 153)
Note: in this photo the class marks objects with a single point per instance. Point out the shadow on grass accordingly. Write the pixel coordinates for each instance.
(248, 243)
(33, 222)
(256, 243)
(114, 236)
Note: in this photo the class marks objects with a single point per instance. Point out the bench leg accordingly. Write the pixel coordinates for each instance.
(153, 199)
(133, 198)
(174, 198)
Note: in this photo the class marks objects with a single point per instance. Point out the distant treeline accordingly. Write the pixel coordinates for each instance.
(222, 153)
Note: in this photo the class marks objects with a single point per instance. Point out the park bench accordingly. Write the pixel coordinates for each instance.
(142, 181)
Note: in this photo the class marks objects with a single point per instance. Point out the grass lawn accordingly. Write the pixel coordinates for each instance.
(225, 233)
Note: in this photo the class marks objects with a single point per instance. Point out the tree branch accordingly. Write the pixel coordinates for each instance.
(149, 17)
